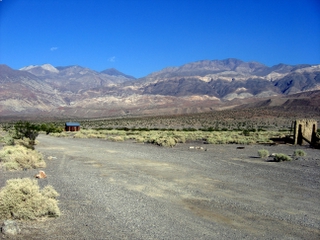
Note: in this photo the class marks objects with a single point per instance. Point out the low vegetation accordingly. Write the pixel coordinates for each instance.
(23, 199)
(263, 153)
(280, 157)
(24, 130)
(170, 138)
(299, 153)
(19, 157)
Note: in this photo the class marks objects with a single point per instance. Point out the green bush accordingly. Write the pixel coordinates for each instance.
(280, 157)
(23, 199)
(50, 128)
(246, 132)
(263, 153)
(299, 153)
(26, 130)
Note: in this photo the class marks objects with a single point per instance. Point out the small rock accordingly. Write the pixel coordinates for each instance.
(200, 148)
(41, 174)
(10, 227)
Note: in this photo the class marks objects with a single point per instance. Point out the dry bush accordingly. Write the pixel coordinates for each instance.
(116, 138)
(299, 153)
(23, 199)
(62, 134)
(26, 142)
(263, 153)
(19, 157)
(80, 134)
(139, 139)
(280, 157)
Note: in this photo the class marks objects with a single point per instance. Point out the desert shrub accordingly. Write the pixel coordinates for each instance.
(299, 153)
(23, 199)
(26, 130)
(139, 139)
(211, 140)
(166, 142)
(189, 129)
(116, 138)
(8, 140)
(246, 132)
(19, 157)
(26, 142)
(280, 157)
(180, 138)
(263, 153)
(80, 134)
(50, 128)
(62, 134)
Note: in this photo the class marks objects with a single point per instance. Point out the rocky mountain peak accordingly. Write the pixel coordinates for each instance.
(115, 72)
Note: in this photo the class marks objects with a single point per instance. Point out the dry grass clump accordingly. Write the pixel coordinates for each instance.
(280, 157)
(23, 199)
(263, 153)
(299, 153)
(116, 138)
(170, 137)
(62, 134)
(80, 134)
(19, 157)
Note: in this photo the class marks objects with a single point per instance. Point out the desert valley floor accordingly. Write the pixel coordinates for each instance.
(111, 190)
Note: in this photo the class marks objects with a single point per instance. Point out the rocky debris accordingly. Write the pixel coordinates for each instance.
(10, 227)
(41, 175)
(196, 147)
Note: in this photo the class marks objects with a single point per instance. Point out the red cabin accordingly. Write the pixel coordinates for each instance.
(72, 126)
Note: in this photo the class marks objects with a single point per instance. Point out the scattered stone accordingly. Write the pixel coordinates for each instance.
(51, 157)
(10, 227)
(197, 147)
(41, 174)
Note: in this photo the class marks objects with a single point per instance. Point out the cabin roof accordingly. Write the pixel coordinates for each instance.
(72, 124)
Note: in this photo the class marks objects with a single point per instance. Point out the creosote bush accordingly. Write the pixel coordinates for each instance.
(19, 157)
(263, 153)
(299, 153)
(171, 137)
(23, 199)
(280, 157)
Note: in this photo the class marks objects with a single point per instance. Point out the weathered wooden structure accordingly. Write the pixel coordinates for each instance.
(72, 126)
(305, 132)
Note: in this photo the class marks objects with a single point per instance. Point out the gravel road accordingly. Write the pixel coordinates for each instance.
(127, 190)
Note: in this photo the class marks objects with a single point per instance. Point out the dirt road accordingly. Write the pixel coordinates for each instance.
(127, 190)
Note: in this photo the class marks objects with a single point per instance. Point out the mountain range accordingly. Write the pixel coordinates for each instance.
(75, 91)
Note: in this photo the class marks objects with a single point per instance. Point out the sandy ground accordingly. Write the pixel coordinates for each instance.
(127, 190)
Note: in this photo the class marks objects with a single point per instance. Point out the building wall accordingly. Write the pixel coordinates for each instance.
(304, 128)
(72, 128)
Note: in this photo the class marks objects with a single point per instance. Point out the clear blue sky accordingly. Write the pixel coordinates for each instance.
(138, 37)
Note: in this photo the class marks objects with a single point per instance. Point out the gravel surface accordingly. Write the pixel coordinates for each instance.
(126, 190)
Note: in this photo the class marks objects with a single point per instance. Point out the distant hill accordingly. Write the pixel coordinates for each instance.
(194, 87)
